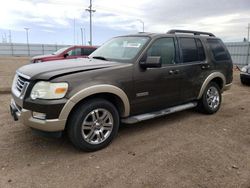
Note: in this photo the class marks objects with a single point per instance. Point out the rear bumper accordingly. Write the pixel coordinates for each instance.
(25, 116)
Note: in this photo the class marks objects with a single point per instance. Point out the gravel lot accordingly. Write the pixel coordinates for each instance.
(186, 149)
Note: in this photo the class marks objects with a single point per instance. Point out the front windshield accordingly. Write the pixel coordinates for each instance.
(120, 48)
(60, 51)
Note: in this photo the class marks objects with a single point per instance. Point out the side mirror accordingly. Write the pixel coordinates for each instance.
(65, 55)
(151, 62)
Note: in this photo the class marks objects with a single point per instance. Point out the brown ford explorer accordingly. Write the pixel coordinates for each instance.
(128, 79)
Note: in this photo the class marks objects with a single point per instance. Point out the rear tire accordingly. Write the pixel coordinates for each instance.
(93, 125)
(211, 99)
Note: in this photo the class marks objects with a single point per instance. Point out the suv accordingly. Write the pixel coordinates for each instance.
(128, 79)
(71, 52)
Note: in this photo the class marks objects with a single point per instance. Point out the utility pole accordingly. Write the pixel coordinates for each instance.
(84, 32)
(248, 28)
(82, 36)
(90, 10)
(142, 24)
(74, 30)
(27, 37)
(248, 44)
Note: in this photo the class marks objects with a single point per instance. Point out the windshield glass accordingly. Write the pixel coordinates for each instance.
(60, 51)
(120, 48)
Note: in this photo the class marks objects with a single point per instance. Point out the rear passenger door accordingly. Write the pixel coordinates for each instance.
(194, 67)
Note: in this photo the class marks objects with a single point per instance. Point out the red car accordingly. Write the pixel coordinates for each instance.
(71, 52)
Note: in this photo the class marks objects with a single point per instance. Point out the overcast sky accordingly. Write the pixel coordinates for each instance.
(52, 21)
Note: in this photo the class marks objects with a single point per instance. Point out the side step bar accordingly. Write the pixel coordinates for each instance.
(147, 116)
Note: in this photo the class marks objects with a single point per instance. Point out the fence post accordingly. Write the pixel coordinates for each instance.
(43, 48)
(248, 47)
(11, 47)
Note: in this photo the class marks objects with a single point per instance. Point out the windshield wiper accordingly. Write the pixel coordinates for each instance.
(100, 57)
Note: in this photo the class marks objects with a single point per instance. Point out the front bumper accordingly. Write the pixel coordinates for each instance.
(48, 125)
(245, 77)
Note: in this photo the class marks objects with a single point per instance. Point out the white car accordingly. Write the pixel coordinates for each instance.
(245, 75)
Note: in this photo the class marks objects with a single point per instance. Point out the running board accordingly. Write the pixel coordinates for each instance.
(147, 116)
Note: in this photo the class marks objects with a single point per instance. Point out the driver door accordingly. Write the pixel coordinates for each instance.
(74, 53)
(157, 88)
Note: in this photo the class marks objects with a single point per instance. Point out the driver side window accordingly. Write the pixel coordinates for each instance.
(75, 52)
(164, 48)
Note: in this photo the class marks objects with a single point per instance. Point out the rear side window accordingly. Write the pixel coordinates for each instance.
(192, 50)
(189, 50)
(201, 52)
(218, 50)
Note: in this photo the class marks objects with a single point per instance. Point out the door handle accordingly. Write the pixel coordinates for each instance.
(205, 67)
(171, 72)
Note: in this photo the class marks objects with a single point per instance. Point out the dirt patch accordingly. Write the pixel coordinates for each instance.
(8, 67)
(186, 149)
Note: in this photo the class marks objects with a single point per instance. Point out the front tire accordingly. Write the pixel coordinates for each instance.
(211, 99)
(93, 125)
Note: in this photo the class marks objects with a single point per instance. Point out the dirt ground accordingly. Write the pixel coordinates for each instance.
(7, 72)
(187, 149)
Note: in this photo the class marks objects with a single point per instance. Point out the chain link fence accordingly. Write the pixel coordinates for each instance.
(20, 49)
(239, 50)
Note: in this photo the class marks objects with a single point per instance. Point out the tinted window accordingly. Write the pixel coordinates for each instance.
(218, 50)
(88, 51)
(201, 52)
(189, 50)
(165, 49)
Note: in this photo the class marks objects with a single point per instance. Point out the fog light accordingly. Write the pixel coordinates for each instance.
(39, 115)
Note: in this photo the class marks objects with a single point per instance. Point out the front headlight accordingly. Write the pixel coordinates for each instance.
(48, 90)
(244, 69)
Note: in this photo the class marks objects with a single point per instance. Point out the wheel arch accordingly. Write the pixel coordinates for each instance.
(216, 77)
(113, 94)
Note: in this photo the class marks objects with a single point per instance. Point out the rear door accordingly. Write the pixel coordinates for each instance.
(194, 67)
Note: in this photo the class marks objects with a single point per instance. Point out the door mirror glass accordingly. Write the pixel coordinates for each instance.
(151, 62)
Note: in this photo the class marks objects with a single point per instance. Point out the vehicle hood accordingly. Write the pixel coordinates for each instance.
(43, 56)
(52, 69)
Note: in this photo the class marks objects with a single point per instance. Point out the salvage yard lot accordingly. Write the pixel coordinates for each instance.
(186, 149)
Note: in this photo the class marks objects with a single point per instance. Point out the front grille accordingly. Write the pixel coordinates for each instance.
(20, 85)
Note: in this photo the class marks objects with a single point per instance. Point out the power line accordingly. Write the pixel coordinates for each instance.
(90, 10)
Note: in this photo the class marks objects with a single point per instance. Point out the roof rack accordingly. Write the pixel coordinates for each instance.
(174, 31)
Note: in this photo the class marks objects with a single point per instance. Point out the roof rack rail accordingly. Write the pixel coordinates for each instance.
(174, 31)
